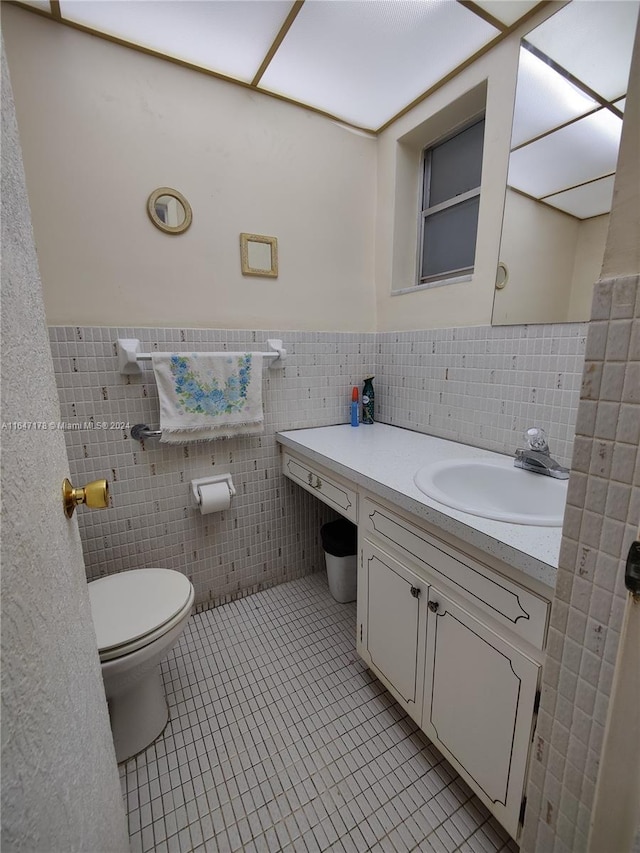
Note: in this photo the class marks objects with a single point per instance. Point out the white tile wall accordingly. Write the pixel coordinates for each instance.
(270, 533)
(478, 385)
(601, 523)
(484, 385)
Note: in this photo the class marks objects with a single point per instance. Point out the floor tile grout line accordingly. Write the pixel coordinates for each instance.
(390, 799)
(169, 681)
(181, 760)
(344, 756)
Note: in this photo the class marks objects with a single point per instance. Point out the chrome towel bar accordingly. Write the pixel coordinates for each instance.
(142, 431)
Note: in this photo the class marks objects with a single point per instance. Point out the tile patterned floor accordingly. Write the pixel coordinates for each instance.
(280, 739)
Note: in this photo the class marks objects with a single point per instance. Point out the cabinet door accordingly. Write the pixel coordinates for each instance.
(479, 698)
(392, 606)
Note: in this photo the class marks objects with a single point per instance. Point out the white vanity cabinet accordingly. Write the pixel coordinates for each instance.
(459, 646)
(455, 634)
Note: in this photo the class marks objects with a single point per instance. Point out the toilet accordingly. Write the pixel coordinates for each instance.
(138, 617)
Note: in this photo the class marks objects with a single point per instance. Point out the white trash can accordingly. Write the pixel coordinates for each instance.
(340, 544)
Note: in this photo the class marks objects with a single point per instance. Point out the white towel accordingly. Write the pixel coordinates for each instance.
(208, 395)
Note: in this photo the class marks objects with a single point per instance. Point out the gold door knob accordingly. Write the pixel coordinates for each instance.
(95, 495)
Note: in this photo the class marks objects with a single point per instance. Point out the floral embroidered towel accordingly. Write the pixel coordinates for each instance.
(205, 395)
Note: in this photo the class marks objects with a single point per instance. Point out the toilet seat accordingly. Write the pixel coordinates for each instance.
(132, 609)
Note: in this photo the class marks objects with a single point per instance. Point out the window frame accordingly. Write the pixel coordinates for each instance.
(455, 275)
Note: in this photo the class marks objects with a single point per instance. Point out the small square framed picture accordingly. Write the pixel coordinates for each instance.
(259, 255)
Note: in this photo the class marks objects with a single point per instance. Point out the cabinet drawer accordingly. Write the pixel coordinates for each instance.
(509, 604)
(326, 487)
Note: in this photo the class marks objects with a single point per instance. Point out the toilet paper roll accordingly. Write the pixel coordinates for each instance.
(213, 497)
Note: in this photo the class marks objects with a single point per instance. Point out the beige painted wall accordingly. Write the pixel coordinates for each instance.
(622, 255)
(553, 261)
(538, 246)
(592, 238)
(102, 126)
(468, 303)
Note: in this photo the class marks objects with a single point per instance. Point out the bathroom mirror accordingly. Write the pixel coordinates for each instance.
(572, 78)
(259, 255)
(169, 210)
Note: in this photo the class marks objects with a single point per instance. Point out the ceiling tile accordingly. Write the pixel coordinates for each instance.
(44, 5)
(586, 201)
(582, 151)
(544, 99)
(592, 29)
(229, 37)
(507, 11)
(364, 60)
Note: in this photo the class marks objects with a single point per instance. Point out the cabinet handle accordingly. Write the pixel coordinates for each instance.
(415, 591)
(433, 606)
(318, 482)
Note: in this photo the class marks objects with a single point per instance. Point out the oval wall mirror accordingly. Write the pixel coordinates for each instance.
(169, 210)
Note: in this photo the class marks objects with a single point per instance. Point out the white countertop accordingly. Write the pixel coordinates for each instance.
(383, 459)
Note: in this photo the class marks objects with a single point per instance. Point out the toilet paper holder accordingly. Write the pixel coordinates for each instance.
(205, 481)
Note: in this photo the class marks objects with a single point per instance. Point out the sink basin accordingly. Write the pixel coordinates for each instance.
(495, 489)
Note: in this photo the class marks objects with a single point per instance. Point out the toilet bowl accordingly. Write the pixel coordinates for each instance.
(138, 617)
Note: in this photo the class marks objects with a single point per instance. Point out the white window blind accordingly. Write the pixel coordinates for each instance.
(452, 172)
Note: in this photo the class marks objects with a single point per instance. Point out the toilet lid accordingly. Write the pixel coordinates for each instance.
(130, 605)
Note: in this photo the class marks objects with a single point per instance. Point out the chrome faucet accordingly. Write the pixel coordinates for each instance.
(536, 457)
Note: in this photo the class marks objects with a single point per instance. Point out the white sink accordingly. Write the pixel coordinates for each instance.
(495, 489)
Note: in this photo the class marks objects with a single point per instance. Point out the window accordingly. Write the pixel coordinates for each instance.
(452, 171)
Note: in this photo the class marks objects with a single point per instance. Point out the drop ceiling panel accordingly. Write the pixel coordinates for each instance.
(364, 61)
(229, 37)
(584, 150)
(544, 99)
(582, 30)
(44, 5)
(586, 201)
(507, 11)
